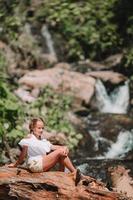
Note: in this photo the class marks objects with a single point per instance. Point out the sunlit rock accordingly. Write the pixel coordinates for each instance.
(24, 95)
(122, 181)
(64, 81)
(22, 184)
(110, 76)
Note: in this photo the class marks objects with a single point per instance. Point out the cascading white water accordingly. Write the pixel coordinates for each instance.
(49, 42)
(116, 102)
(27, 28)
(117, 149)
(123, 144)
(96, 135)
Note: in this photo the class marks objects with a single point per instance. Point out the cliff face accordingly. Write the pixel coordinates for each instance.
(18, 183)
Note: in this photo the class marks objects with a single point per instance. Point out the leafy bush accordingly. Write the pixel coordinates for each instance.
(10, 113)
(11, 19)
(3, 65)
(127, 62)
(129, 58)
(87, 27)
(82, 29)
(123, 10)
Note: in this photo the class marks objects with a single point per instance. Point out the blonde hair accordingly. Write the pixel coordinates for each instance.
(33, 123)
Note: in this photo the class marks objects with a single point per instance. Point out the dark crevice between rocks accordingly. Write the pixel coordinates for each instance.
(5, 193)
(42, 186)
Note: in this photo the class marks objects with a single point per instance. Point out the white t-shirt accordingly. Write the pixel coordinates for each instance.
(36, 147)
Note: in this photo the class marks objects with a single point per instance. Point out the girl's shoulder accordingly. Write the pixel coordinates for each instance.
(28, 136)
(26, 140)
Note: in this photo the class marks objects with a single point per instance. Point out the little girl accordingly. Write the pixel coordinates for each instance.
(41, 154)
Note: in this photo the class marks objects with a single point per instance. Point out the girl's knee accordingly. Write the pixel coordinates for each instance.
(60, 152)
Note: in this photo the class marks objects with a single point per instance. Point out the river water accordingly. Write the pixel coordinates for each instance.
(109, 133)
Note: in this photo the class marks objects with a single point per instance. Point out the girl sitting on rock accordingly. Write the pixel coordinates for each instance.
(41, 154)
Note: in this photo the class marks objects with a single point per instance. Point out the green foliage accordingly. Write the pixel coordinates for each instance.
(124, 20)
(10, 112)
(129, 58)
(53, 107)
(10, 19)
(87, 27)
(3, 65)
(12, 25)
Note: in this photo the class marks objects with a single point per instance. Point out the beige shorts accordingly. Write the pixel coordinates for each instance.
(35, 164)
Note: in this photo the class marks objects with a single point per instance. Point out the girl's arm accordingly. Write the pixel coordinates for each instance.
(21, 157)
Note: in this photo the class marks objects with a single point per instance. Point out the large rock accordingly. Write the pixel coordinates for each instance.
(74, 83)
(24, 95)
(18, 184)
(122, 181)
(110, 76)
(113, 60)
(109, 63)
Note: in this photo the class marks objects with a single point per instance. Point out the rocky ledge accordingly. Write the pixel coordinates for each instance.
(17, 183)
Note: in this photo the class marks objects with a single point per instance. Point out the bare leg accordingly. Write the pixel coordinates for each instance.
(76, 172)
(61, 165)
(51, 159)
(66, 162)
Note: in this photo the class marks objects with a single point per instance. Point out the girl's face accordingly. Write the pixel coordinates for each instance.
(38, 129)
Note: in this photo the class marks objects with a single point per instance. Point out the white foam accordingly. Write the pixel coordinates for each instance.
(116, 102)
(123, 144)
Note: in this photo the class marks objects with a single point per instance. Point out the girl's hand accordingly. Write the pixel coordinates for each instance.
(65, 150)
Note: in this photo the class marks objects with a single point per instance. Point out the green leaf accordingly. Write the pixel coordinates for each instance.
(15, 133)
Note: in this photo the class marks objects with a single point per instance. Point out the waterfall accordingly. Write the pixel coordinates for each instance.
(123, 144)
(27, 28)
(96, 135)
(116, 102)
(117, 149)
(49, 42)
